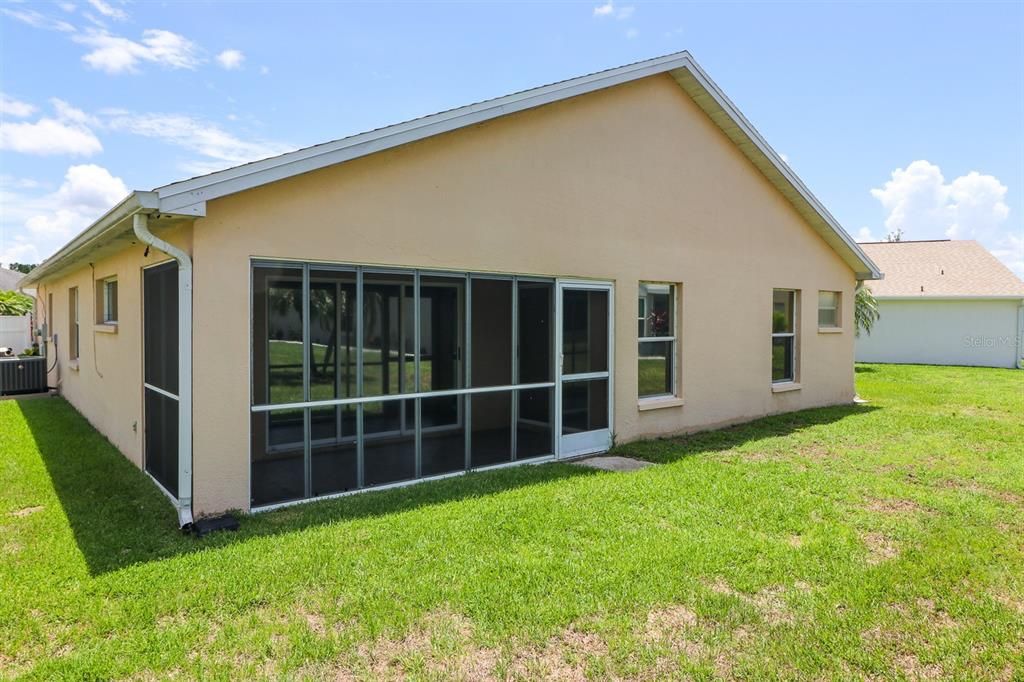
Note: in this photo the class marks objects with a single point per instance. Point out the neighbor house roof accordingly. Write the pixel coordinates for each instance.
(9, 279)
(941, 269)
(187, 198)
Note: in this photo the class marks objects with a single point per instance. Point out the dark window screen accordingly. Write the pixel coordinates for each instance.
(160, 320)
(160, 344)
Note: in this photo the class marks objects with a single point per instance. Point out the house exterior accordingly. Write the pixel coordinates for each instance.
(530, 278)
(944, 302)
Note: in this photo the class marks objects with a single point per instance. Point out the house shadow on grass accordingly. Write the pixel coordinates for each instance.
(671, 449)
(119, 518)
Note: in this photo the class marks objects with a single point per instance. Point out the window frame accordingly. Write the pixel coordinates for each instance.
(672, 339)
(74, 330)
(838, 308)
(106, 313)
(794, 355)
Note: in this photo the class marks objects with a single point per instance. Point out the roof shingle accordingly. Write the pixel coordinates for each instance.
(940, 268)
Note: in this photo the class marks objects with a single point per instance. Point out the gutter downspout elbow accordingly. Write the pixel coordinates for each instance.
(140, 224)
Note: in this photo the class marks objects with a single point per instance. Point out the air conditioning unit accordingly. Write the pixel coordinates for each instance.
(22, 375)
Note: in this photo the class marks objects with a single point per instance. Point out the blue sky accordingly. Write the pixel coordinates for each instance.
(906, 116)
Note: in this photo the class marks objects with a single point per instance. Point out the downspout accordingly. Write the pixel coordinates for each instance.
(140, 223)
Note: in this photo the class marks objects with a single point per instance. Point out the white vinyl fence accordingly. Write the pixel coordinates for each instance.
(15, 332)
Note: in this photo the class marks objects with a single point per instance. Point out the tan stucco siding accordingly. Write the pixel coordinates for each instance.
(105, 384)
(627, 184)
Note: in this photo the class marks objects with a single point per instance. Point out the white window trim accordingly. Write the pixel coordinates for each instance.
(838, 307)
(793, 348)
(672, 399)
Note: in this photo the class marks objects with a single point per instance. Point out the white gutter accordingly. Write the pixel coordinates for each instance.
(140, 223)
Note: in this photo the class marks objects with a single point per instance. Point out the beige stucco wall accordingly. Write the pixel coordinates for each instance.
(105, 384)
(627, 184)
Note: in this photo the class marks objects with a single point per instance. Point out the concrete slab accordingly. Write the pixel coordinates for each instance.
(613, 463)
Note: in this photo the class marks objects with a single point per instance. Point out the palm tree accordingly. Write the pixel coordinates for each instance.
(865, 309)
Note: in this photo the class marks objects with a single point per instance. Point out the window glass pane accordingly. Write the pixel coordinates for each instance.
(782, 358)
(278, 457)
(584, 331)
(655, 368)
(443, 448)
(386, 333)
(441, 320)
(827, 317)
(277, 335)
(491, 437)
(389, 450)
(110, 301)
(782, 311)
(827, 299)
(492, 332)
(536, 332)
(657, 309)
(332, 328)
(584, 406)
(534, 430)
(333, 449)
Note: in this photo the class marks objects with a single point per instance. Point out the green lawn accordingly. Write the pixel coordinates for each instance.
(881, 541)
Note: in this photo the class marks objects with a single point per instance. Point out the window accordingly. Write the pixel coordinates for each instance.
(828, 309)
(657, 340)
(106, 300)
(73, 323)
(784, 335)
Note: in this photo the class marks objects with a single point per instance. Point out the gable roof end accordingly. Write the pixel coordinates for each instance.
(188, 198)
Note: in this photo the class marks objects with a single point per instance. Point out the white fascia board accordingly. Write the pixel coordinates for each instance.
(115, 221)
(762, 145)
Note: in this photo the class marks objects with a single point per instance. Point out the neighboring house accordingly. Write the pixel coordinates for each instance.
(15, 331)
(456, 292)
(944, 303)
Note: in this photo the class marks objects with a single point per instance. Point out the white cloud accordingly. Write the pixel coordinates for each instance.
(264, 70)
(609, 9)
(632, 33)
(49, 220)
(221, 148)
(67, 6)
(115, 54)
(108, 10)
(922, 205)
(15, 108)
(68, 133)
(231, 59)
(866, 235)
(36, 19)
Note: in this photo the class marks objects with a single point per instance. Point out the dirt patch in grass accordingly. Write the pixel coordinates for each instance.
(1010, 601)
(769, 601)
(880, 547)
(912, 668)
(26, 511)
(669, 627)
(896, 506)
(439, 645)
(564, 657)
